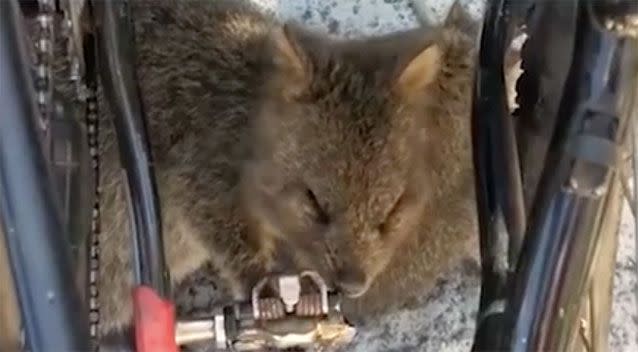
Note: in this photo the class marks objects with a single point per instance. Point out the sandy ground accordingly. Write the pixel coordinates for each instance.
(445, 322)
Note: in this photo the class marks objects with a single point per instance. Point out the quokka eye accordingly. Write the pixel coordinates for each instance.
(393, 215)
(384, 227)
(319, 214)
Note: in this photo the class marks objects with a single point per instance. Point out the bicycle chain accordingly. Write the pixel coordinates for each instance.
(92, 121)
(44, 47)
(44, 43)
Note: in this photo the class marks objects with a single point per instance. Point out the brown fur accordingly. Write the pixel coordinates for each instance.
(279, 149)
(447, 229)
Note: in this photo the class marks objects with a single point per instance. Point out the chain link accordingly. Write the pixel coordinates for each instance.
(44, 42)
(92, 121)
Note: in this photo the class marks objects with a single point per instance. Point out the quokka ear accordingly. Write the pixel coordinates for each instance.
(290, 59)
(460, 19)
(419, 72)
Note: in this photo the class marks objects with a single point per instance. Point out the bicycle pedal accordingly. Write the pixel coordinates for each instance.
(285, 311)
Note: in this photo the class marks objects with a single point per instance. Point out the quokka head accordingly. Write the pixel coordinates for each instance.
(337, 172)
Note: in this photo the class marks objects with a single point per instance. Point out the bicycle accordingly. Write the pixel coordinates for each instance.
(545, 179)
(548, 190)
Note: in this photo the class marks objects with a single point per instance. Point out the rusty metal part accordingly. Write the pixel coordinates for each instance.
(282, 334)
(309, 306)
(278, 316)
(270, 308)
(295, 333)
(321, 287)
(290, 300)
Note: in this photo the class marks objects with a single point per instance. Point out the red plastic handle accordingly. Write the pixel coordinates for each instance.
(154, 322)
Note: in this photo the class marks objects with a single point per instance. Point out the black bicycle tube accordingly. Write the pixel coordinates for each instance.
(116, 48)
(540, 308)
(499, 191)
(563, 226)
(32, 225)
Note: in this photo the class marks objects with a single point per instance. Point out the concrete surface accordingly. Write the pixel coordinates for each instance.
(445, 322)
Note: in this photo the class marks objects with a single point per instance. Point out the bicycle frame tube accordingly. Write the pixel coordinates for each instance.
(153, 311)
(116, 48)
(39, 259)
(562, 231)
(500, 204)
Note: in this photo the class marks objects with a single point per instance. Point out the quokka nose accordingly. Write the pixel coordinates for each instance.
(352, 282)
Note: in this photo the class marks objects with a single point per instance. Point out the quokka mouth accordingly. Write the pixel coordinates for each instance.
(354, 291)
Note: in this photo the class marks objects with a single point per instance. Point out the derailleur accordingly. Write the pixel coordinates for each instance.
(289, 311)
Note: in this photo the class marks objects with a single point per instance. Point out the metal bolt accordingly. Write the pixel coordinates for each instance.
(289, 290)
(220, 332)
